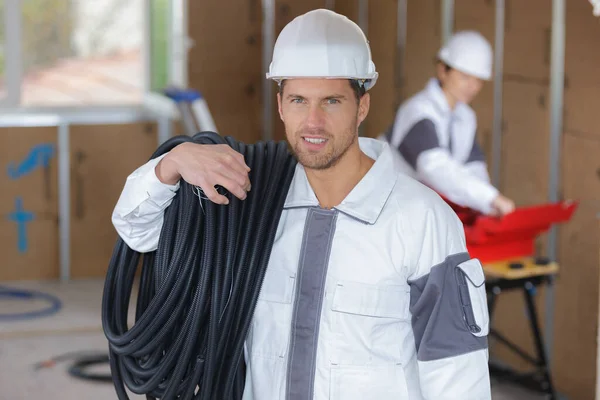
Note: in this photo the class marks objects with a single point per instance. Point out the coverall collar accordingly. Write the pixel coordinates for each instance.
(366, 201)
(435, 92)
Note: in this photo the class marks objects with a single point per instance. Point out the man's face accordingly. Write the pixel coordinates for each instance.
(462, 87)
(321, 118)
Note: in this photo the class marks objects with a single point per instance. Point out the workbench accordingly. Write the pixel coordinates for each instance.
(525, 274)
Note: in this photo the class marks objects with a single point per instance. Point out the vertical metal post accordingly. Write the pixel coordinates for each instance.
(64, 201)
(179, 43)
(363, 23)
(447, 19)
(401, 32)
(164, 129)
(363, 16)
(268, 36)
(498, 82)
(13, 51)
(147, 47)
(557, 74)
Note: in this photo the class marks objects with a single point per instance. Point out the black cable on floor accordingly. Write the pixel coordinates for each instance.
(198, 290)
(26, 295)
(79, 368)
(81, 361)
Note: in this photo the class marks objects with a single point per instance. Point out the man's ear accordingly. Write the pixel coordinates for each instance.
(363, 107)
(279, 106)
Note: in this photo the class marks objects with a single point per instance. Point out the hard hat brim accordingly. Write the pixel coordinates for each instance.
(370, 79)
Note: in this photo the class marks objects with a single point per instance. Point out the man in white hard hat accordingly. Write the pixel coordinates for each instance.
(434, 131)
(369, 292)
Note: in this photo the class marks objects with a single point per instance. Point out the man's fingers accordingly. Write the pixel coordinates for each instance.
(236, 175)
(214, 196)
(235, 160)
(239, 157)
(233, 187)
(211, 193)
(242, 161)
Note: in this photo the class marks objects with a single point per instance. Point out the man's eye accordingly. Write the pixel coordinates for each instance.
(297, 101)
(333, 101)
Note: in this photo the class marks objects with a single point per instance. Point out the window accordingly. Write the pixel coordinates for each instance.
(76, 53)
(2, 52)
(159, 43)
(82, 52)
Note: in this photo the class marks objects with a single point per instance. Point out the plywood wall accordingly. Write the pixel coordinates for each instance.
(102, 156)
(577, 309)
(225, 63)
(381, 30)
(423, 40)
(29, 204)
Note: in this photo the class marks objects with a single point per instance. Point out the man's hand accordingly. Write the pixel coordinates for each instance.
(206, 166)
(502, 205)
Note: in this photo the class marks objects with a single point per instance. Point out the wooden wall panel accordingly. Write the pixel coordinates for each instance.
(577, 310)
(581, 69)
(382, 28)
(527, 40)
(525, 144)
(225, 64)
(29, 204)
(102, 157)
(422, 44)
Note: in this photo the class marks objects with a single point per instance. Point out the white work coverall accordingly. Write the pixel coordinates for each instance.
(375, 299)
(438, 146)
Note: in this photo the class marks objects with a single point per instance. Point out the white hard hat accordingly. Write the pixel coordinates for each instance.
(322, 44)
(468, 52)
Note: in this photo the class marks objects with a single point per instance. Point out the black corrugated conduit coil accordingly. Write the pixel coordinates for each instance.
(80, 368)
(198, 290)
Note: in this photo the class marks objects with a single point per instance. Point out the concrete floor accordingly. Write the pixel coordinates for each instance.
(77, 327)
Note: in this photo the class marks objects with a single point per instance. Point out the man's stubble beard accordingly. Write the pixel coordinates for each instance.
(325, 161)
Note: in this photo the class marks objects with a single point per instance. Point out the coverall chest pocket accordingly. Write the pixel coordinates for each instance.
(269, 335)
(374, 301)
(368, 321)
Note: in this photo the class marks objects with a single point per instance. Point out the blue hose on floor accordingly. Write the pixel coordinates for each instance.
(22, 294)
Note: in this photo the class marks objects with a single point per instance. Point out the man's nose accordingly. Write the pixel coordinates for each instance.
(316, 117)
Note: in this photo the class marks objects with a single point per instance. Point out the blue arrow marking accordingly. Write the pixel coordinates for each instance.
(38, 156)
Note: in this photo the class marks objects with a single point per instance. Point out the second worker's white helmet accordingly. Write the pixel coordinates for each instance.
(468, 52)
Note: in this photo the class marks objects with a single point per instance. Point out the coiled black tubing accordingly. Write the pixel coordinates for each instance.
(198, 290)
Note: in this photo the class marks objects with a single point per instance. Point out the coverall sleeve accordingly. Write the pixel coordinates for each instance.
(476, 163)
(448, 306)
(436, 168)
(139, 213)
